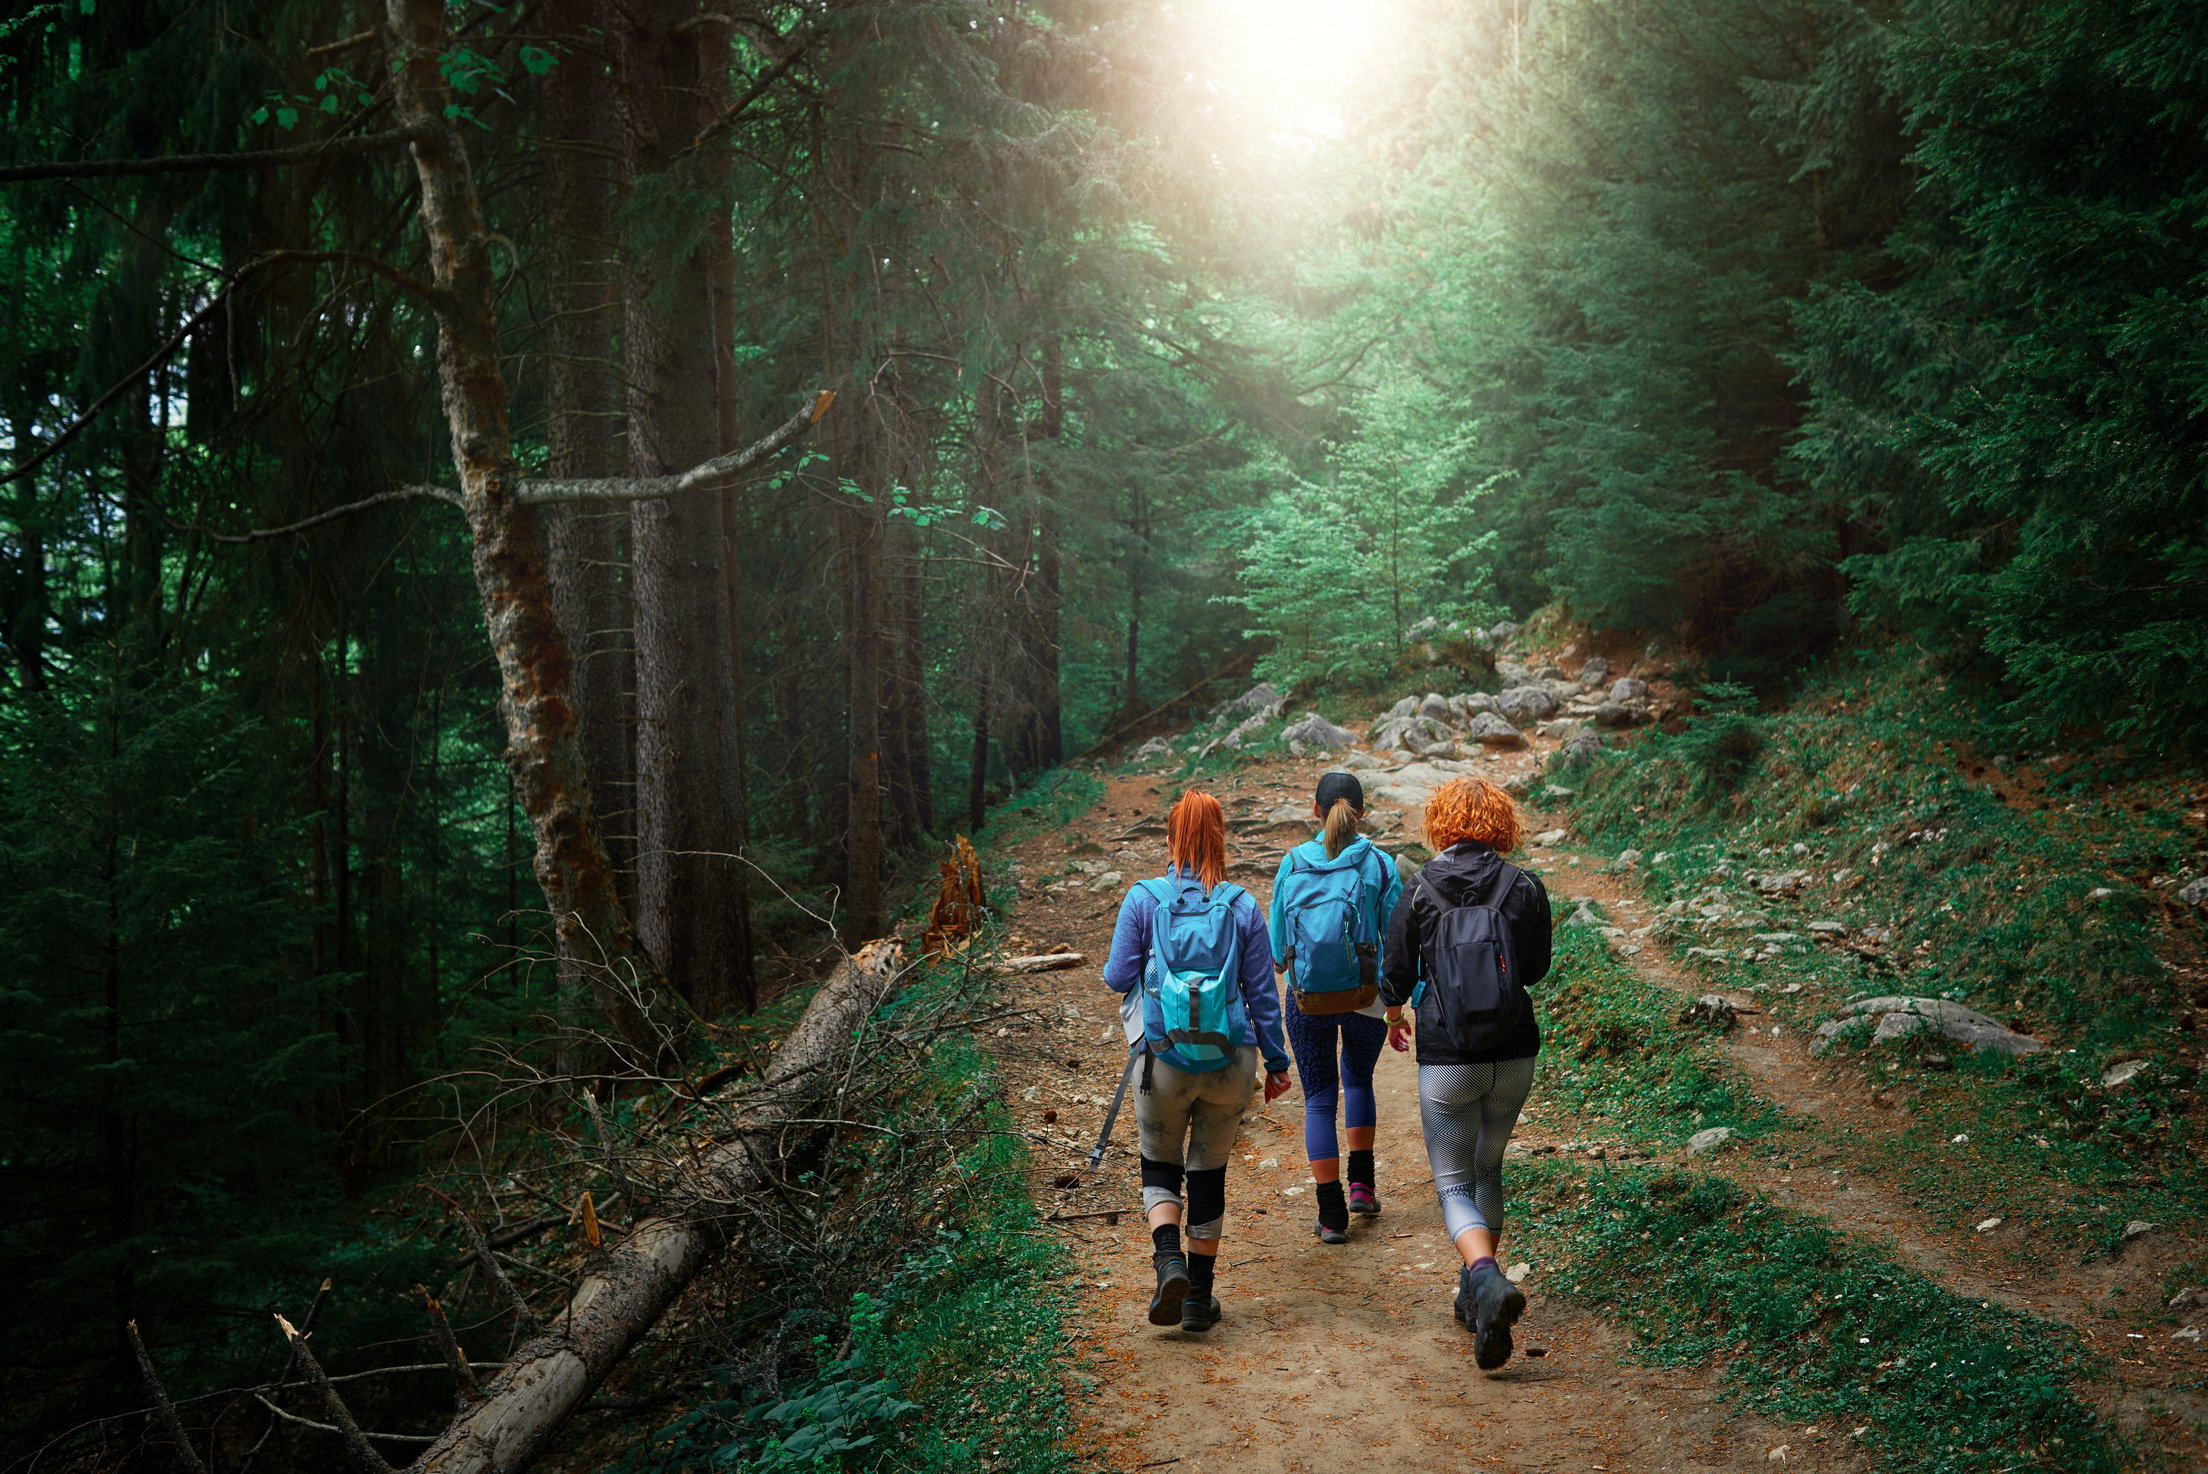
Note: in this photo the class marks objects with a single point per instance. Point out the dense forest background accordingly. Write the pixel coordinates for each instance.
(1744, 324)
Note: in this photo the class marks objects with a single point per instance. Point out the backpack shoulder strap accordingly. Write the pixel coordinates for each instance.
(1503, 883)
(1226, 893)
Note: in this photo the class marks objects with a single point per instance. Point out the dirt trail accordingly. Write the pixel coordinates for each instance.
(1335, 1358)
(1330, 1358)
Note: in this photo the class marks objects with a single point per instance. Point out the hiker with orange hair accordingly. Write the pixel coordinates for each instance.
(1194, 972)
(1469, 940)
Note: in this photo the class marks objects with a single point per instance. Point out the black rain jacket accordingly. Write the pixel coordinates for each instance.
(1462, 875)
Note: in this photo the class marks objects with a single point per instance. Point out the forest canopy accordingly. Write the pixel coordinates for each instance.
(354, 643)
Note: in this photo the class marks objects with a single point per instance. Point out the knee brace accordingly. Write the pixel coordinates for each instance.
(1207, 1202)
(1161, 1183)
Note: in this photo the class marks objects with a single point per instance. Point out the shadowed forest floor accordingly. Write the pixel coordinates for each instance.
(1332, 1358)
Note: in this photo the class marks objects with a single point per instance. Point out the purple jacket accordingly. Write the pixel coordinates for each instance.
(1260, 995)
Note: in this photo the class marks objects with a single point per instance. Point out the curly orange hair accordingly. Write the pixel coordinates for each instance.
(1473, 808)
(1196, 837)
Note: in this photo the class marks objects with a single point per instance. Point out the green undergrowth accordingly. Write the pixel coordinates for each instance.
(1615, 1054)
(2043, 915)
(920, 1326)
(1805, 1326)
(1812, 1329)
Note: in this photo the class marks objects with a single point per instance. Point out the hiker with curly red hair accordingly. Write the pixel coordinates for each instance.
(1194, 972)
(1469, 940)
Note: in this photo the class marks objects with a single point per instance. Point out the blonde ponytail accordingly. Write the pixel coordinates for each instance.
(1341, 827)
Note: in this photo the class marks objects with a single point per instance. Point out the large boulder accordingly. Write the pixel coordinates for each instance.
(1579, 748)
(1156, 747)
(1412, 734)
(1396, 713)
(1594, 671)
(1625, 688)
(1262, 699)
(1313, 730)
(1470, 704)
(1502, 630)
(1436, 706)
(1899, 1017)
(1618, 714)
(1526, 705)
(1490, 730)
(1414, 783)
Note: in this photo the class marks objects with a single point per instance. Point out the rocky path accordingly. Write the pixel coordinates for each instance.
(1335, 1358)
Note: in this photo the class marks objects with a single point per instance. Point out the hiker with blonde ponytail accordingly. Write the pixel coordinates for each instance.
(1332, 900)
(1193, 970)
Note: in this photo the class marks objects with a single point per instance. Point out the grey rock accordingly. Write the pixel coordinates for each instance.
(1579, 748)
(1249, 727)
(1595, 671)
(1892, 1026)
(1560, 729)
(2138, 1228)
(2194, 892)
(1626, 688)
(1778, 882)
(1551, 792)
(1414, 783)
(1549, 673)
(1963, 1025)
(1403, 708)
(1425, 629)
(1436, 706)
(1628, 858)
(1586, 915)
(1471, 703)
(1490, 730)
(1502, 630)
(1708, 1140)
(1156, 747)
(1358, 762)
(1618, 714)
(1551, 837)
(1297, 814)
(2189, 1297)
(1520, 785)
(1829, 1032)
(1828, 928)
(1261, 699)
(1314, 730)
(2121, 1073)
(1526, 705)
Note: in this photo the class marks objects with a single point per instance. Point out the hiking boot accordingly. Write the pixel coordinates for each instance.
(1487, 1306)
(1165, 1304)
(1363, 1200)
(1329, 1235)
(1199, 1313)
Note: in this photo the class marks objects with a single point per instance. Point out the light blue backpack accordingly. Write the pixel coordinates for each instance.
(1333, 952)
(1192, 1012)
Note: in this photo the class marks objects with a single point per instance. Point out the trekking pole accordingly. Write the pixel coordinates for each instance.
(1111, 1116)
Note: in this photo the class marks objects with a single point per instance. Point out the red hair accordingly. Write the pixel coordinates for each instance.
(1473, 808)
(1196, 837)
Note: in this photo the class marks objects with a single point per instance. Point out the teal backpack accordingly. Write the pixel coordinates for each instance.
(1333, 958)
(1192, 1012)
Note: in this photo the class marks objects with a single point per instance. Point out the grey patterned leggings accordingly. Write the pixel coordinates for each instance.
(1467, 1112)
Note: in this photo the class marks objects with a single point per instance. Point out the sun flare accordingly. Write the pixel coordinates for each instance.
(1291, 58)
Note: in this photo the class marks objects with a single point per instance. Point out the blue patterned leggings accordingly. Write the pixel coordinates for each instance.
(1316, 1041)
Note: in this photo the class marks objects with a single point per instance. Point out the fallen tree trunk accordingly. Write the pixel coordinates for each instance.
(1040, 962)
(624, 1294)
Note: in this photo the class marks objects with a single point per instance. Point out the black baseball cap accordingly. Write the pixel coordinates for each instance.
(1340, 785)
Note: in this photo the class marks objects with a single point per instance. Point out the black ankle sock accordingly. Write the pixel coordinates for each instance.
(1166, 1238)
(1360, 1166)
(1200, 1267)
(1333, 1207)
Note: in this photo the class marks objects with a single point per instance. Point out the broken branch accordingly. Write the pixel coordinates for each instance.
(169, 1420)
(341, 1417)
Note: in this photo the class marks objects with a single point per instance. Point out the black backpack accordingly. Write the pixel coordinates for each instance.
(1470, 993)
